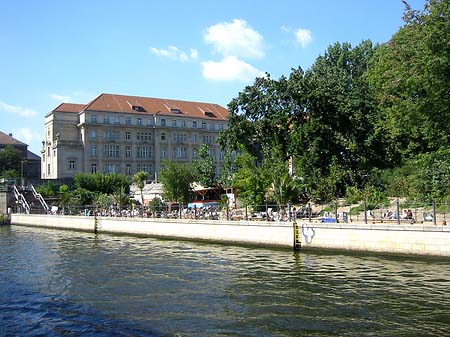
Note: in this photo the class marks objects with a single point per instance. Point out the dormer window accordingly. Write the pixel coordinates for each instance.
(138, 108)
(210, 114)
(175, 111)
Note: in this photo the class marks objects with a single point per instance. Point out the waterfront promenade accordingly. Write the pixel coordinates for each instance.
(389, 238)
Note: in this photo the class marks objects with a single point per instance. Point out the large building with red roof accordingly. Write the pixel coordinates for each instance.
(127, 134)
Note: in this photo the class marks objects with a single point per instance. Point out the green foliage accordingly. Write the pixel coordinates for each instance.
(121, 197)
(10, 162)
(410, 75)
(140, 178)
(156, 204)
(177, 179)
(10, 174)
(204, 167)
(228, 170)
(50, 189)
(101, 183)
(251, 180)
(103, 200)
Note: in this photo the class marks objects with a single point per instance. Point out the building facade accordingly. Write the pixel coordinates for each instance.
(128, 134)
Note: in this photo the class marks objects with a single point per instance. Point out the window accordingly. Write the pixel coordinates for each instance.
(93, 150)
(163, 152)
(127, 135)
(174, 123)
(111, 135)
(208, 139)
(221, 127)
(203, 125)
(195, 138)
(183, 124)
(71, 164)
(94, 168)
(179, 138)
(211, 126)
(145, 167)
(139, 121)
(48, 151)
(163, 122)
(117, 120)
(128, 121)
(111, 150)
(149, 122)
(210, 114)
(163, 136)
(128, 169)
(179, 152)
(175, 111)
(94, 119)
(194, 124)
(221, 155)
(93, 134)
(195, 154)
(128, 151)
(143, 136)
(48, 169)
(143, 152)
(111, 168)
(106, 120)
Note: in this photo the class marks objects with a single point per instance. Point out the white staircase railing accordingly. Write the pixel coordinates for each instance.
(39, 197)
(21, 199)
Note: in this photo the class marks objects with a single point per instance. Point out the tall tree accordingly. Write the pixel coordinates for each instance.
(10, 160)
(204, 167)
(140, 178)
(410, 74)
(177, 179)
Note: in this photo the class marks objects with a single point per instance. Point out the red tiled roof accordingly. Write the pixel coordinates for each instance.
(161, 106)
(69, 107)
(6, 139)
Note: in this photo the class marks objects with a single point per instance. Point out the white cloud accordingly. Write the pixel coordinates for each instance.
(194, 53)
(62, 98)
(229, 69)
(174, 53)
(17, 110)
(304, 36)
(235, 38)
(27, 135)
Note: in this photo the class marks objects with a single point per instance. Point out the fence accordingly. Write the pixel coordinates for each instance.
(396, 213)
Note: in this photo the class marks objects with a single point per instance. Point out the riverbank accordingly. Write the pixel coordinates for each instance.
(383, 238)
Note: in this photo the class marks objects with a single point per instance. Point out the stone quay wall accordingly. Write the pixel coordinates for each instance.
(387, 238)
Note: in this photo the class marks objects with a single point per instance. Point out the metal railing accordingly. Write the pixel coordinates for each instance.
(39, 197)
(21, 200)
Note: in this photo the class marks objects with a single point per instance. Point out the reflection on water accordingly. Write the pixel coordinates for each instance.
(55, 283)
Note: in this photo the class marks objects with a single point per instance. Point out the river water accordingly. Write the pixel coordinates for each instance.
(59, 283)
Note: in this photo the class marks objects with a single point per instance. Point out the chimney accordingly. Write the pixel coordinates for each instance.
(10, 134)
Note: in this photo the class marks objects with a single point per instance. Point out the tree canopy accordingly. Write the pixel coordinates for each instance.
(358, 117)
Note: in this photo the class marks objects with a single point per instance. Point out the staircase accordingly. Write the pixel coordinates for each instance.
(29, 200)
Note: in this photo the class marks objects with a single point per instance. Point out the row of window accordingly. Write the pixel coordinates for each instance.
(151, 122)
(113, 151)
(127, 168)
(177, 137)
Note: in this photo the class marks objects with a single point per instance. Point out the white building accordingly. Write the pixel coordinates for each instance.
(127, 134)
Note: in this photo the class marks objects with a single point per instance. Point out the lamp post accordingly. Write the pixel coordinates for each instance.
(21, 171)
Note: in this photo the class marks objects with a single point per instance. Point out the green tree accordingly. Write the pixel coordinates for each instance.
(251, 179)
(121, 197)
(10, 160)
(410, 77)
(64, 196)
(140, 178)
(204, 167)
(177, 179)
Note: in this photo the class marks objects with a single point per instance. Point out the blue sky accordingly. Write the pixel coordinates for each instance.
(72, 51)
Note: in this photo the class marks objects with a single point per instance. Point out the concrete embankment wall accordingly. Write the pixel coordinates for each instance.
(384, 238)
(246, 232)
